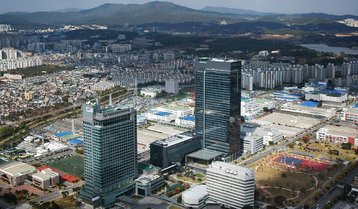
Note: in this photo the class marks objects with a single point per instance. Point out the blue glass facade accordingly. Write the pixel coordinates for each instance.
(110, 150)
(217, 104)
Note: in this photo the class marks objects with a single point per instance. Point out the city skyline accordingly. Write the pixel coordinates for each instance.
(157, 105)
(345, 7)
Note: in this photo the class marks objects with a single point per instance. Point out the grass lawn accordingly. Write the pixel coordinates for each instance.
(197, 176)
(190, 179)
(282, 192)
(267, 176)
(323, 149)
(66, 202)
(72, 165)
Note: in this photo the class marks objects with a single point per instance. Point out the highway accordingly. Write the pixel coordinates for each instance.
(337, 190)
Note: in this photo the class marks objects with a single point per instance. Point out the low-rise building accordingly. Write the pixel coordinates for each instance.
(308, 110)
(152, 91)
(45, 178)
(350, 115)
(186, 121)
(250, 108)
(160, 116)
(145, 185)
(327, 96)
(51, 147)
(338, 134)
(269, 134)
(195, 197)
(251, 143)
(15, 172)
(164, 153)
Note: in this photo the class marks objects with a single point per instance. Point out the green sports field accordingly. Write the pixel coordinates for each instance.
(72, 165)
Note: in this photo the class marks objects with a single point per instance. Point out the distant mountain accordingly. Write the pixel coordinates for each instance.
(225, 10)
(69, 10)
(118, 14)
(169, 13)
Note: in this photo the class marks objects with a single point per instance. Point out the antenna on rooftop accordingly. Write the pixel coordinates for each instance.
(73, 126)
(98, 98)
(110, 99)
(135, 87)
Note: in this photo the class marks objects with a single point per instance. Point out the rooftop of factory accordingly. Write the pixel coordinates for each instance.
(45, 174)
(309, 104)
(173, 140)
(188, 118)
(15, 168)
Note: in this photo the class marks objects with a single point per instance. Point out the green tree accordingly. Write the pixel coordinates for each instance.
(179, 199)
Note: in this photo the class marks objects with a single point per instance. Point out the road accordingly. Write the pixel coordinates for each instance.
(336, 191)
(56, 194)
(284, 144)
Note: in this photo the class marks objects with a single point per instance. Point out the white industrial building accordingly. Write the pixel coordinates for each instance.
(195, 197)
(315, 111)
(185, 121)
(338, 134)
(52, 147)
(178, 110)
(15, 172)
(230, 185)
(314, 87)
(268, 134)
(45, 178)
(152, 91)
(251, 143)
(250, 108)
(350, 115)
(160, 116)
(330, 97)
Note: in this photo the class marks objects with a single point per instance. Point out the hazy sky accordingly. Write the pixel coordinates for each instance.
(281, 6)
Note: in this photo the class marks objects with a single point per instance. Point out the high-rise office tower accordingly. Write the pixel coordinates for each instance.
(110, 153)
(217, 106)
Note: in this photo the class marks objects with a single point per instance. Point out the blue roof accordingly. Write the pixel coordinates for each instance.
(189, 117)
(163, 113)
(75, 141)
(333, 91)
(356, 105)
(309, 104)
(62, 134)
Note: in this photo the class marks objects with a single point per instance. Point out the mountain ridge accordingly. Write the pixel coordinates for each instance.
(159, 12)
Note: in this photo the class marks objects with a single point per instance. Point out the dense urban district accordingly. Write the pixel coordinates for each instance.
(187, 114)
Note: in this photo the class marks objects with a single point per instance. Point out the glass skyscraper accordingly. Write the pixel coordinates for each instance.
(110, 153)
(217, 105)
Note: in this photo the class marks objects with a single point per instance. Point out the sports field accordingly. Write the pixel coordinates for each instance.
(287, 179)
(297, 163)
(72, 165)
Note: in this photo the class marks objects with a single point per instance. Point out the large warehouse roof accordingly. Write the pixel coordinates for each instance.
(15, 168)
